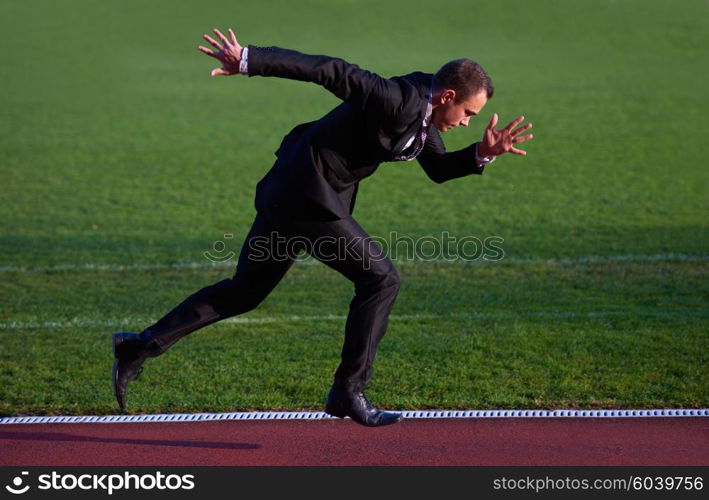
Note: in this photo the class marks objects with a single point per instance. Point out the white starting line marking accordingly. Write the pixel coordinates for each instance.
(306, 415)
(230, 264)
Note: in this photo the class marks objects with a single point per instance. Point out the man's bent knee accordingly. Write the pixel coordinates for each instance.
(242, 294)
(388, 280)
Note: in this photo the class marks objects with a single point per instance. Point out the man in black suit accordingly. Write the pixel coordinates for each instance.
(308, 198)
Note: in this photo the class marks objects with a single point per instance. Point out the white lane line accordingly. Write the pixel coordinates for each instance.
(134, 322)
(309, 415)
(205, 264)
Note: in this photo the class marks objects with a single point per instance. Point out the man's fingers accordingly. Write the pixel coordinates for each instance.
(221, 36)
(493, 121)
(212, 41)
(207, 51)
(520, 130)
(514, 123)
(517, 140)
(223, 72)
(233, 37)
(518, 151)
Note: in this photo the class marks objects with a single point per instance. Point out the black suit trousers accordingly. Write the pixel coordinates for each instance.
(269, 250)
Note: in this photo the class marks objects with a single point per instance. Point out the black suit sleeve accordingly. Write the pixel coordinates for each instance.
(360, 88)
(441, 166)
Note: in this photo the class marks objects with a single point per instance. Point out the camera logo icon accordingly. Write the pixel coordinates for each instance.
(17, 483)
(219, 247)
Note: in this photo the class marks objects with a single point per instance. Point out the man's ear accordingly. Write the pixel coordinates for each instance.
(447, 96)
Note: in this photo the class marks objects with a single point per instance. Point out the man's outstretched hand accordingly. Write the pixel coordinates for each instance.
(497, 142)
(229, 54)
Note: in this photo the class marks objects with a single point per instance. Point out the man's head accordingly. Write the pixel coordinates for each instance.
(460, 90)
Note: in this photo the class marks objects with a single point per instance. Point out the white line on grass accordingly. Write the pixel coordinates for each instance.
(307, 415)
(205, 264)
(134, 321)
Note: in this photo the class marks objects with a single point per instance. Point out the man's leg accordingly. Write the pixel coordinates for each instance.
(257, 273)
(347, 248)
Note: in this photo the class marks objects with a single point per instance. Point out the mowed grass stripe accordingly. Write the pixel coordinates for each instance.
(132, 321)
(311, 261)
(647, 290)
(428, 363)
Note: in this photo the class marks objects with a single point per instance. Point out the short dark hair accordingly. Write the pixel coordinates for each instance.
(464, 76)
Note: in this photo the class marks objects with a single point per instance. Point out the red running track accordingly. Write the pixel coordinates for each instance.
(659, 441)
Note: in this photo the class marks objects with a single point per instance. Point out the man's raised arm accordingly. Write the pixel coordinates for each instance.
(358, 87)
(441, 166)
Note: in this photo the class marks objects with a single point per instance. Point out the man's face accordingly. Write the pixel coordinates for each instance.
(448, 113)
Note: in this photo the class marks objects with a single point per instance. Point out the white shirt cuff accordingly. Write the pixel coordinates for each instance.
(244, 63)
(482, 160)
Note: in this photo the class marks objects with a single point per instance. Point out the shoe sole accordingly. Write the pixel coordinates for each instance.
(335, 413)
(343, 414)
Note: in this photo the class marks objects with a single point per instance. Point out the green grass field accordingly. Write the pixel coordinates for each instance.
(122, 162)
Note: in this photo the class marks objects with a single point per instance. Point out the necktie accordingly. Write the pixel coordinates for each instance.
(415, 148)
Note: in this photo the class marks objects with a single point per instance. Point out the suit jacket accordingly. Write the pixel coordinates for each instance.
(319, 164)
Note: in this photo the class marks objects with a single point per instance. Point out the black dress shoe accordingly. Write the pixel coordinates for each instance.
(130, 351)
(342, 403)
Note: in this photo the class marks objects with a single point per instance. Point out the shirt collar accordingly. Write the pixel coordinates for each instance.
(429, 108)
